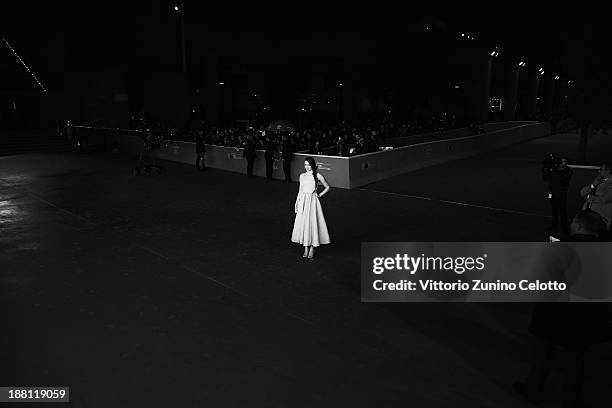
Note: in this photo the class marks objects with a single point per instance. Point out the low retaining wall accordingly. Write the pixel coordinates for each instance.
(495, 126)
(348, 172)
(449, 134)
(377, 166)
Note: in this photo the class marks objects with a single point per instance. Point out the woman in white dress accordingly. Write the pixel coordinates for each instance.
(309, 228)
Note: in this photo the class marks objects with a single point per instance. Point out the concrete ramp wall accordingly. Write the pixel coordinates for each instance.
(371, 167)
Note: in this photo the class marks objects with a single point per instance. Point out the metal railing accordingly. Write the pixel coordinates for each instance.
(90, 139)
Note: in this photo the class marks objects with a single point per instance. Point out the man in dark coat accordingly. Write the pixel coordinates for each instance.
(287, 155)
(270, 147)
(341, 147)
(200, 150)
(249, 154)
(599, 197)
(360, 146)
(558, 183)
(371, 144)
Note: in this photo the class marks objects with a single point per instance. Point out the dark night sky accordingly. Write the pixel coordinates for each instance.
(92, 36)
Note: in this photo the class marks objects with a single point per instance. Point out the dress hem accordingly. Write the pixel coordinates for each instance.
(296, 242)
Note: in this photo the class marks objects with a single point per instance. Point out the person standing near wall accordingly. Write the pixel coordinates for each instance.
(341, 147)
(249, 153)
(200, 150)
(287, 155)
(270, 147)
(559, 179)
(599, 196)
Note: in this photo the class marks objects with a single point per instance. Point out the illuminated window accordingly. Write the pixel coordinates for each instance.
(495, 104)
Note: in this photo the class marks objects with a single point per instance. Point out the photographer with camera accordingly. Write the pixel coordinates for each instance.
(559, 175)
(599, 196)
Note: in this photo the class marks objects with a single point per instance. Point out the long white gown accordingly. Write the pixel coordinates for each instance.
(309, 228)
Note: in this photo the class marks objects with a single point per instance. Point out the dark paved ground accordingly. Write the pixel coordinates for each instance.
(183, 290)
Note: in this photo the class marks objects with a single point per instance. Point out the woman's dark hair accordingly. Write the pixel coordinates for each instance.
(313, 166)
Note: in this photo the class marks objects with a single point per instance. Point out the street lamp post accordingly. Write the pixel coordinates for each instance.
(183, 37)
(180, 8)
(512, 102)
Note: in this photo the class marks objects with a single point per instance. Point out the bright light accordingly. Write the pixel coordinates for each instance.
(557, 78)
(542, 73)
(175, 8)
(221, 83)
(339, 83)
(463, 35)
(456, 86)
(569, 82)
(492, 53)
(522, 64)
(541, 69)
(25, 66)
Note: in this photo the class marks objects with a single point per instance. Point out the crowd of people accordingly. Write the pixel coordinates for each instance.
(331, 138)
(341, 140)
